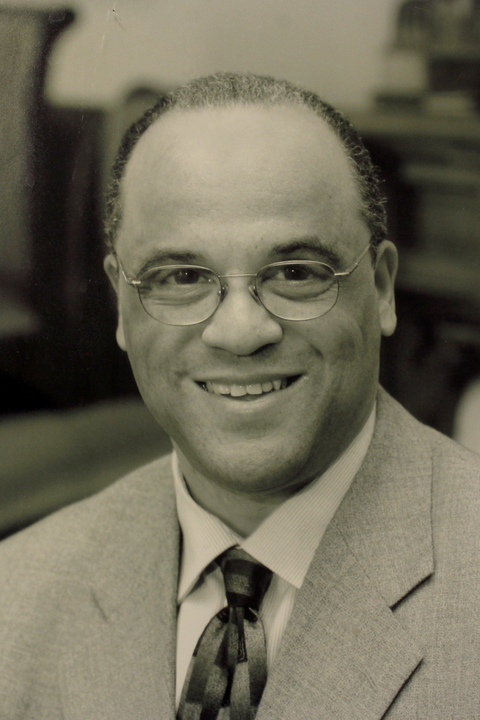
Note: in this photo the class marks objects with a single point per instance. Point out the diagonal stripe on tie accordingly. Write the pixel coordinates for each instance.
(229, 664)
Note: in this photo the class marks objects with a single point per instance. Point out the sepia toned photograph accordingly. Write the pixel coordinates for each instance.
(239, 360)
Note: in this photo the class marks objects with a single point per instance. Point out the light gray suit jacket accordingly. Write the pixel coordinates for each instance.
(386, 625)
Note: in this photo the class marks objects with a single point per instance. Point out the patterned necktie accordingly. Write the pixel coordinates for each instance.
(229, 664)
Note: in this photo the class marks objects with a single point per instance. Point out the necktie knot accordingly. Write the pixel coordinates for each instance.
(246, 580)
(229, 664)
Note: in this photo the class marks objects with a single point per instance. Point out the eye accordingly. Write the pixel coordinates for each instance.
(173, 276)
(296, 273)
(185, 276)
(293, 273)
(296, 281)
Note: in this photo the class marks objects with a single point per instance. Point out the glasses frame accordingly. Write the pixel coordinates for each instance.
(223, 290)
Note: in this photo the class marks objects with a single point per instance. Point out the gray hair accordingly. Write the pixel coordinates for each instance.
(227, 89)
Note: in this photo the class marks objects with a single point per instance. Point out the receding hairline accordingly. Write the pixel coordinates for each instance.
(174, 139)
(192, 143)
(223, 90)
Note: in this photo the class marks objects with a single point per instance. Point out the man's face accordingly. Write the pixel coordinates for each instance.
(234, 189)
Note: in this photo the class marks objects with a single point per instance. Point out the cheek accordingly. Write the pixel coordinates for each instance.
(159, 354)
(149, 361)
(153, 358)
(148, 346)
(339, 342)
(347, 336)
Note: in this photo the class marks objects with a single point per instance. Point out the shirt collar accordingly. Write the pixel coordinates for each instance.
(204, 535)
(287, 539)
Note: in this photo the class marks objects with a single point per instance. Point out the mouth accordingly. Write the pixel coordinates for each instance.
(250, 389)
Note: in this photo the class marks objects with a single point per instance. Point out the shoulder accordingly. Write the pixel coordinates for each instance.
(398, 430)
(65, 541)
(454, 471)
(48, 573)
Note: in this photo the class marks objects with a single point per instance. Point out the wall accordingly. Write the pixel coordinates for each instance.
(335, 48)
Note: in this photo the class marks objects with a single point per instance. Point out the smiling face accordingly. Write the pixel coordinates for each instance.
(253, 404)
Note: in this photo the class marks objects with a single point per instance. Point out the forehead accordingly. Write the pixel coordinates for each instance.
(217, 165)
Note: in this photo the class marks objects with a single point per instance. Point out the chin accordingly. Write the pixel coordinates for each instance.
(254, 469)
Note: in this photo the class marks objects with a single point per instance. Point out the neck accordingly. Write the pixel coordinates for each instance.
(241, 512)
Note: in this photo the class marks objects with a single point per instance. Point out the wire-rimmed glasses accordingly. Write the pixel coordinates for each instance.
(190, 294)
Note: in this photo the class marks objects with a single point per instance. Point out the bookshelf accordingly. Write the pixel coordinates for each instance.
(431, 167)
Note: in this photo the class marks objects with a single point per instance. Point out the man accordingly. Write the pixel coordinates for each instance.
(254, 283)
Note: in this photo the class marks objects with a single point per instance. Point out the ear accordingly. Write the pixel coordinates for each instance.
(385, 272)
(110, 265)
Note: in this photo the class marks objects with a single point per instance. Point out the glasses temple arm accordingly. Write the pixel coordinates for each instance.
(345, 273)
(129, 281)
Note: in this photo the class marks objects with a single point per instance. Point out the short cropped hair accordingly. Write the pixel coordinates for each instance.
(227, 89)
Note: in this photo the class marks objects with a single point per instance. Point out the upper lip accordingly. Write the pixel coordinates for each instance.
(248, 379)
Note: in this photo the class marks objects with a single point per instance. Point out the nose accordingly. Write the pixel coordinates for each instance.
(241, 325)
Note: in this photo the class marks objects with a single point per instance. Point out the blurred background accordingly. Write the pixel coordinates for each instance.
(72, 79)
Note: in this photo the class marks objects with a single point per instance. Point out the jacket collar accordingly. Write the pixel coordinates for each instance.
(345, 654)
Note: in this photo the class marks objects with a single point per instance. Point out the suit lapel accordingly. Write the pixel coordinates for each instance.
(120, 661)
(345, 655)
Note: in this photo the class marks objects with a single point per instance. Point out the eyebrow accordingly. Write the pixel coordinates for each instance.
(168, 256)
(312, 244)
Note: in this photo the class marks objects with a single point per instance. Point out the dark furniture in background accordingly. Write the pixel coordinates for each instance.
(57, 345)
(431, 166)
(58, 356)
(57, 317)
(57, 312)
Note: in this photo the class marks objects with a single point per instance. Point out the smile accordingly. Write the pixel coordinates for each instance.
(238, 390)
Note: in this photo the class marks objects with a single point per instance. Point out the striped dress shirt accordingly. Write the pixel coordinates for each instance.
(285, 542)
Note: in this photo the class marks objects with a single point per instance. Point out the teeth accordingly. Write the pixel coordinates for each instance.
(241, 390)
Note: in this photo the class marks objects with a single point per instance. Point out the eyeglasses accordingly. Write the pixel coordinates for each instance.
(190, 294)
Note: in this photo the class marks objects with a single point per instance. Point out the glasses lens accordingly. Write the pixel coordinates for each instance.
(180, 294)
(297, 290)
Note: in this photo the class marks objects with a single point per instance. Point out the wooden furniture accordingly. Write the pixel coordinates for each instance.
(431, 167)
(25, 40)
(57, 315)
